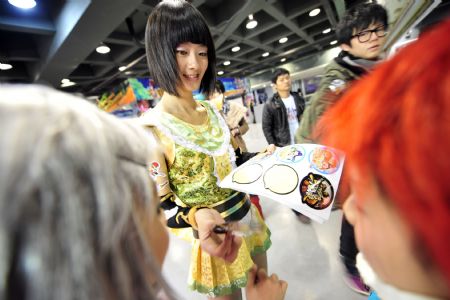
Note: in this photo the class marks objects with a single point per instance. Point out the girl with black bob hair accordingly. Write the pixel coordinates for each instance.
(181, 23)
(196, 153)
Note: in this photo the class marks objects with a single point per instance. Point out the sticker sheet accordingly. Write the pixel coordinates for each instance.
(304, 177)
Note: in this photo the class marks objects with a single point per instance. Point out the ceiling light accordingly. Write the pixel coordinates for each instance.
(25, 4)
(251, 22)
(283, 40)
(326, 31)
(226, 63)
(67, 83)
(5, 67)
(220, 73)
(122, 68)
(235, 49)
(65, 80)
(333, 42)
(103, 49)
(265, 54)
(283, 59)
(314, 12)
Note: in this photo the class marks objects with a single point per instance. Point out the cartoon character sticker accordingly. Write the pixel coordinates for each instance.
(337, 86)
(316, 191)
(291, 154)
(324, 160)
(154, 170)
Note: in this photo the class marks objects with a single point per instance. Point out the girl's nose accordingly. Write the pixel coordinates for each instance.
(192, 61)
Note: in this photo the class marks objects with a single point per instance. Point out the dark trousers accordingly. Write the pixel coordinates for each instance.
(348, 248)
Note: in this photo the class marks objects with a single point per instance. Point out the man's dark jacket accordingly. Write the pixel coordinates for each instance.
(275, 122)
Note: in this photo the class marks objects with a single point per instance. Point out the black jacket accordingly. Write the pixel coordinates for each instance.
(275, 122)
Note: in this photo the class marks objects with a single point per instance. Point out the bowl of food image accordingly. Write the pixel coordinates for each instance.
(324, 160)
(316, 191)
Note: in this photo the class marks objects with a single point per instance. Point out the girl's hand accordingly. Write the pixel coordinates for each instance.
(260, 286)
(271, 149)
(224, 245)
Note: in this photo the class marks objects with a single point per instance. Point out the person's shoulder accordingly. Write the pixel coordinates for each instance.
(149, 118)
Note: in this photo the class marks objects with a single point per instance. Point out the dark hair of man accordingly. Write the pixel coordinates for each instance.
(278, 72)
(219, 87)
(359, 18)
(170, 24)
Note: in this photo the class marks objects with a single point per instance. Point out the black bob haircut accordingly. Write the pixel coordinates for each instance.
(359, 18)
(278, 72)
(219, 87)
(171, 23)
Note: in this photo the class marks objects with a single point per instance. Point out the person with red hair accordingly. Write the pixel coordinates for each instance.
(393, 126)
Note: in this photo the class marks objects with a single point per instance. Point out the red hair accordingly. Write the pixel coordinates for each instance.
(394, 125)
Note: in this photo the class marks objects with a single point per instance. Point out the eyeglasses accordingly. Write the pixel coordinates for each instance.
(365, 36)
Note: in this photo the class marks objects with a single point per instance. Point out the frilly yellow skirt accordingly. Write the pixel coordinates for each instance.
(215, 277)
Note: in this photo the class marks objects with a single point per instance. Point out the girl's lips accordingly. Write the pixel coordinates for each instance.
(191, 77)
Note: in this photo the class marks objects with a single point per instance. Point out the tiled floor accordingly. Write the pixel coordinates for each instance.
(306, 256)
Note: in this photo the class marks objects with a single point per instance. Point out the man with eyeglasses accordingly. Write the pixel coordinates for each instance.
(361, 34)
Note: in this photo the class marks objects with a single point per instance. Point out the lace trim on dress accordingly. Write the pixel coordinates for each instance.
(170, 130)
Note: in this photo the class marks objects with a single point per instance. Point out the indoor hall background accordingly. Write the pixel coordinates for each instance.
(57, 39)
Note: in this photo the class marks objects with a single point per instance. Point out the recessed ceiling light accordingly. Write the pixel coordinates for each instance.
(314, 12)
(226, 63)
(5, 67)
(220, 73)
(122, 68)
(65, 80)
(283, 40)
(326, 31)
(235, 49)
(25, 4)
(251, 22)
(67, 83)
(265, 54)
(333, 42)
(103, 49)
(283, 59)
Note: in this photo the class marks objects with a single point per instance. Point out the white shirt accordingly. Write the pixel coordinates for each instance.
(291, 110)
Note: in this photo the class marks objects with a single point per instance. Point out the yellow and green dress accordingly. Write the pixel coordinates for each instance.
(203, 156)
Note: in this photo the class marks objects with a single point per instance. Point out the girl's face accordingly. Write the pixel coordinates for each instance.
(192, 60)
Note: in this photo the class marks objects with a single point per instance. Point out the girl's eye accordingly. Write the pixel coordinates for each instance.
(181, 52)
(203, 54)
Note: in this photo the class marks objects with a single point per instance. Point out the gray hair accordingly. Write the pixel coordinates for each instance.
(69, 178)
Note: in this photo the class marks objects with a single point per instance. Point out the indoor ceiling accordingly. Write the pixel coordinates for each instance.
(57, 38)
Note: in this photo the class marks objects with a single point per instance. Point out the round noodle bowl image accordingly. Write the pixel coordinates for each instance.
(324, 160)
(248, 174)
(281, 179)
(316, 191)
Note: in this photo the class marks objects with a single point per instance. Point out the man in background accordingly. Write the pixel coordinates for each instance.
(281, 116)
(361, 34)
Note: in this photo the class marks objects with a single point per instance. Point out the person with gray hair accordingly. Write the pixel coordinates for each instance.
(79, 214)
(79, 217)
